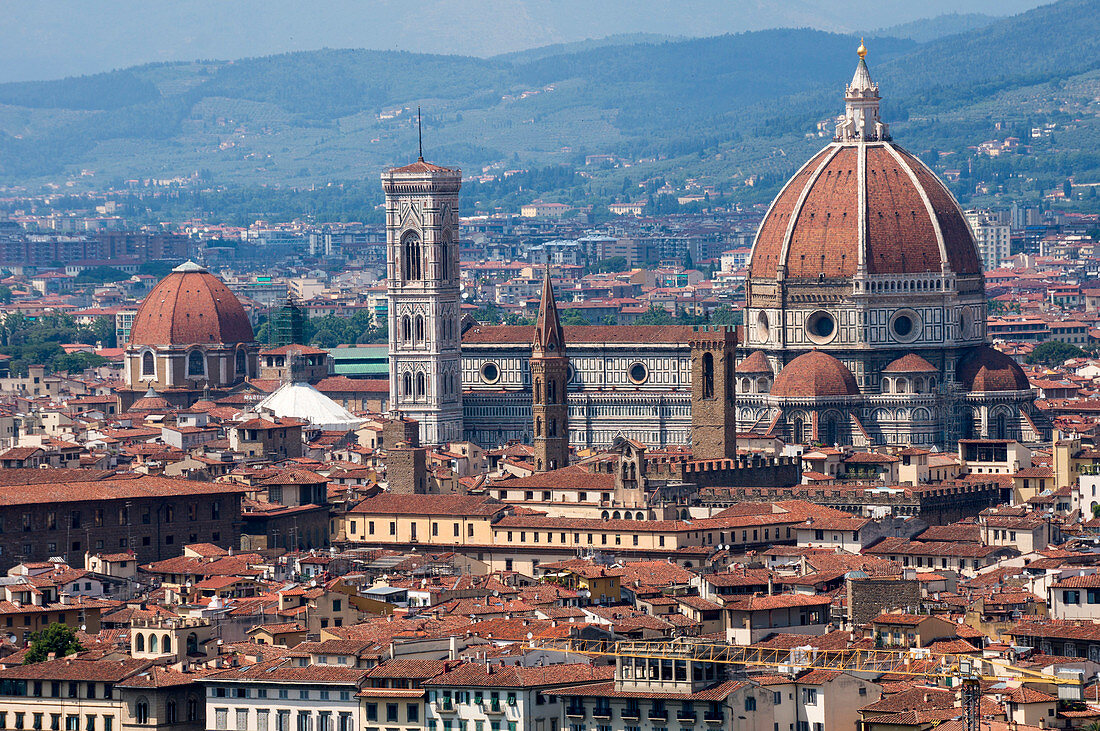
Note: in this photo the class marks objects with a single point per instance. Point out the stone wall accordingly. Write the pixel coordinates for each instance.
(870, 597)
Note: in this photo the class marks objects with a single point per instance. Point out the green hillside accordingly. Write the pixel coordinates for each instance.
(723, 110)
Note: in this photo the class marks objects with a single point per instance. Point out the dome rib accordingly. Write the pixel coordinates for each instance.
(800, 205)
(929, 209)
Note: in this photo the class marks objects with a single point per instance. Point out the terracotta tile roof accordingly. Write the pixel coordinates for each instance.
(698, 603)
(1089, 581)
(755, 363)
(343, 384)
(777, 601)
(577, 476)
(987, 369)
(394, 504)
(417, 669)
(238, 565)
(903, 546)
(280, 670)
(106, 671)
(835, 640)
(161, 677)
(900, 618)
(422, 167)
(20, 487)
(1067, 630)
(953, 533)
(952, 647)
(1024, 694)
(920, 698)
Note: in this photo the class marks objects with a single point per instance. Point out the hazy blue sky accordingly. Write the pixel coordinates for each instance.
(53, 38)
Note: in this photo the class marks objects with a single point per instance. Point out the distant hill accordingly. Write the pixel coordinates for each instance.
(727, 110)
(930, 29)
(557, 49)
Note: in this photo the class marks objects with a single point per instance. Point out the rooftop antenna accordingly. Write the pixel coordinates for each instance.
(419, 137)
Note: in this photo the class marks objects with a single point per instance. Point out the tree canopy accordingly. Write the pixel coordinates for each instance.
(1054, 352)
(56, 639)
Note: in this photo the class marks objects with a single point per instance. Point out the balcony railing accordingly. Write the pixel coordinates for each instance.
(574, 711)
(655, 715)
(600, 712)
(686, 716)
(710, 717)
(631, 714)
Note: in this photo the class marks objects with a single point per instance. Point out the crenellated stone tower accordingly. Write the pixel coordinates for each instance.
(713, 393)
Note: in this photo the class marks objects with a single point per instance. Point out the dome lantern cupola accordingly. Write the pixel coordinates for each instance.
(861, 120)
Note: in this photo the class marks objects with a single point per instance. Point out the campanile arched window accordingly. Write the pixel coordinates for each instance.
(445, 256)
(708, 375)
(412, 256)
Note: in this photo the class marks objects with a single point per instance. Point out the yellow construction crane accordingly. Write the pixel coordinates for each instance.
(960, 670)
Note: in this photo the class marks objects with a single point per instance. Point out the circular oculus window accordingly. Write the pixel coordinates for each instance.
(821, 327)
(638, 373)
(763, 329)
(966, 324)
(490, 372)
(905, 326)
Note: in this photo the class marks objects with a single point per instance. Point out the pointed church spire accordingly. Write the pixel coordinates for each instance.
(548, 331)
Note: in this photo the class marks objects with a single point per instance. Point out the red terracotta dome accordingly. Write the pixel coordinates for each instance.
(910, 363)
(757, 362)
(190, 306)
(988, 369)
(814, 374)
(151, 401)
(910, 224)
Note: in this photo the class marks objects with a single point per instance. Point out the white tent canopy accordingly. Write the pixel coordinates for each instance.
(303, 401)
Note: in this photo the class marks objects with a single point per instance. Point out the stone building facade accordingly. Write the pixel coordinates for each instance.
(622, 380)
(65, 513)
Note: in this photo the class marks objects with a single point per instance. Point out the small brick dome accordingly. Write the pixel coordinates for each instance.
(910, 363)
(756, 364)
(988, 369)
(813, 375)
